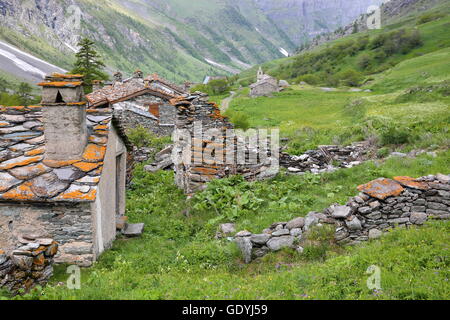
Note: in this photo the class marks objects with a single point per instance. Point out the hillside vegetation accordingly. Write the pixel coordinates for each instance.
(179, 257)
(402, 103)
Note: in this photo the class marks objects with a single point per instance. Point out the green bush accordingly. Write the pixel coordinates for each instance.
(428, 17)
(350, 77)
(240, 121)
(310, 79)
(364, 61)
(395, 136)
(214, 87)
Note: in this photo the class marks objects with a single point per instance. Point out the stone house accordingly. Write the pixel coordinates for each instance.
(62, 172)
(138, 101)
(265, 85)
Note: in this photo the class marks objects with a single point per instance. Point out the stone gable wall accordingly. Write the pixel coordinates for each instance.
(382, 204)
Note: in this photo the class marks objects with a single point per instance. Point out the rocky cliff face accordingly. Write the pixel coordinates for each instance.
(390, 12)
(181, 40)
(302, 19)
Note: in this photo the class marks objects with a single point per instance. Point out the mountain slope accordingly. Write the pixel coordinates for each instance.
(304, 19)
(181, 40)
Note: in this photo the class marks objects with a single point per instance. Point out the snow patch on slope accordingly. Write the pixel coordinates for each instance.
(30, 56)
(221, 66)
(284, 52)
(22, 64)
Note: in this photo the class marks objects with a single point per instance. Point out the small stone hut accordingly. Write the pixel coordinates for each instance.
(62, 172)
(139, 101)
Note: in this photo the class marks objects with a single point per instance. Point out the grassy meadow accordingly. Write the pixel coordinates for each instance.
(179, 257)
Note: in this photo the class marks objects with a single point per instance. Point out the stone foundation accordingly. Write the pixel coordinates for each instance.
(29, 265)
(70, 225)
(383, 204)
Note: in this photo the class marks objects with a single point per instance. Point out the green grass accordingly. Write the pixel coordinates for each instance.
(311, 117)
(177, 257)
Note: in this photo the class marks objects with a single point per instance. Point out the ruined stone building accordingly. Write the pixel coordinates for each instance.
(207, 148)
(62, 172)
(139, 101)
(264, 86)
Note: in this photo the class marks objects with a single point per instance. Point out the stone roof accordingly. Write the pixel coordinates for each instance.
(25, 174)
(156, 78)
(125, 90)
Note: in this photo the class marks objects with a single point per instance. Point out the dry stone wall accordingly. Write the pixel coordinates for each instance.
(70, 225)
(193, 175)
(29, 265)
(382, 204)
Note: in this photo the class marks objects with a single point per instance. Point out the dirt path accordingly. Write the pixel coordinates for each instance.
(226, 101)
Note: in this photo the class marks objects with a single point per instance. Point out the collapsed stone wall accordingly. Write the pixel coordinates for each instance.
(192, 174)
(382, 204)
(29, 265)
(327, 158)
(70, 225)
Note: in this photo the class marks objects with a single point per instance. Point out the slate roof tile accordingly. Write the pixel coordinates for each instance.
(25, 174)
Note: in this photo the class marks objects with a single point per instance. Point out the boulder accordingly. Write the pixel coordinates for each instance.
(133, 230)
(418, 218)
(341, 212)
(278, 243)
(281, 232)
(375, 233)
(354, 224)
(227, 228)
(260, 238)
(296, 223)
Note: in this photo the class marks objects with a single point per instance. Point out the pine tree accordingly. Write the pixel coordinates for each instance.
(89, 63)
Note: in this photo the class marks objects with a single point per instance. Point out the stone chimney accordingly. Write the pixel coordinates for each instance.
(118, 77)
(97, 85)
(64, 116)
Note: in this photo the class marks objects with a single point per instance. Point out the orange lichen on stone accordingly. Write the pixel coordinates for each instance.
(35, 152)
(98, 171)
(39, 260)
(61, 84)
(4, 124)
(412, 183)
(82, 103)
(101, 127)
(66, 76)
(381, 188)
(99, 140)
(94, 153)
(59, 163)
(87, 166)
(21, 162)
(22, 192)
(206, 171)
(25, 173)
(78, 195)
